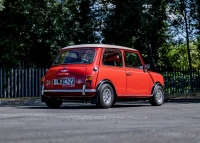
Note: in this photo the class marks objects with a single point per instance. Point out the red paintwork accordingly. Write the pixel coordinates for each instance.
(127, 82)
(138, 83)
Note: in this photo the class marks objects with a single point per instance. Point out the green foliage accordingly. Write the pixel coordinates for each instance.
(178, 57)
(34, 31)
(1, 5)
(82, 23)
(139, 24)
(182, 17)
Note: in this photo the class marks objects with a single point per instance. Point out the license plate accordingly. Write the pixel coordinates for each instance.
(65, 81)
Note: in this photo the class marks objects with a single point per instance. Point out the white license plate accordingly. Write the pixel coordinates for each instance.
(65, 81)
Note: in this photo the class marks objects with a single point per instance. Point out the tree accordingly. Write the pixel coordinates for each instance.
(34, 31)
(181, 17)
(138, 24)
(197, 17)
(82, 21)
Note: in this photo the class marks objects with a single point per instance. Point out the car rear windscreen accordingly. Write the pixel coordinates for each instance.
(75, 56)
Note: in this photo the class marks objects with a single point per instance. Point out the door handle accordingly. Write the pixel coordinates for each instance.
(128, 74)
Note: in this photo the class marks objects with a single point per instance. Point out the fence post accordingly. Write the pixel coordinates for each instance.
(23, 82)
(36, 82)
(18, 83)
(5, 90)
(1, 82)
(32, 82)
(26, 82)
(40, 76)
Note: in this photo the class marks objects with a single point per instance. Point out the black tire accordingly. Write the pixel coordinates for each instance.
(53, 103)
(105, 96)
(158, 96)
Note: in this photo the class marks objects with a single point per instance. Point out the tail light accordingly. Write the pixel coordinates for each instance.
(88, 81)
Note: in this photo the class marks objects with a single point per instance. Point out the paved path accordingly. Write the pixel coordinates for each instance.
(137, 122)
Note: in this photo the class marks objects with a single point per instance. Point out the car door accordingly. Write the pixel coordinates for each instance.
(112, 69)
(137, 78)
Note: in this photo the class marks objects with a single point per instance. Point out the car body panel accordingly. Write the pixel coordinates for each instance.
(156, 78)
(118, 81)
(137, 82)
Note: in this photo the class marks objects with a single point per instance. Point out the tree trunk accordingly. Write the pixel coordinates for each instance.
(187, 40)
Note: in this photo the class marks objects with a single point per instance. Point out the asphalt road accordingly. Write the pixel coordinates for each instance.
(137, 122)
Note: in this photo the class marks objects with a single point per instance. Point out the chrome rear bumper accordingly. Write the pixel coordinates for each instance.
(83, 90)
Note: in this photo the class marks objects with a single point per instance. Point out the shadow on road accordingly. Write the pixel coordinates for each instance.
(71, 105)
(82, 106)
(78, 107)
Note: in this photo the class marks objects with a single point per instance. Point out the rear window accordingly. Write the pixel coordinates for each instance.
(75, 56)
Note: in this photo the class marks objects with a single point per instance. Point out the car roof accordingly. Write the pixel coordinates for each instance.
(98, 46)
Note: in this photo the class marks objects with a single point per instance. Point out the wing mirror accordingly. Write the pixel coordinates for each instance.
(147, 66)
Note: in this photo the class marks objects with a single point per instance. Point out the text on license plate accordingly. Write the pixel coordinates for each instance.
(67, 81)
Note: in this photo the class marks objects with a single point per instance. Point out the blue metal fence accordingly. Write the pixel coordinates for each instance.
(15, 82)
(178, 82)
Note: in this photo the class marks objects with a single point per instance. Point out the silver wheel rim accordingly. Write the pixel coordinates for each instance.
(107, 96)
(159, 96)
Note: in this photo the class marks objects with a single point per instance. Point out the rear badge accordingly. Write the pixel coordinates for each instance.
(64, 70)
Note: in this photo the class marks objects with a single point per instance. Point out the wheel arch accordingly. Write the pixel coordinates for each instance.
(95, 98)
(108, 82)
(154, 86)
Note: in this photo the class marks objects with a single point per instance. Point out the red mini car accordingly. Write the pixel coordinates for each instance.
(100, 74)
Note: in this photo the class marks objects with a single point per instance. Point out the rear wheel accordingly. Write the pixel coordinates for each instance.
(158, 97)
(106, 96)
(53, 103)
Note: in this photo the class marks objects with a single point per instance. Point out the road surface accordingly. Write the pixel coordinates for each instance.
(131, 122)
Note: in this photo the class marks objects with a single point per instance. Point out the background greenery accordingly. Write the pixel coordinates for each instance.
(33, 31)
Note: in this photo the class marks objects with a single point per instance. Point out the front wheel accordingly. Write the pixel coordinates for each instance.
(158, 96)
(106, 96)
(53, 103)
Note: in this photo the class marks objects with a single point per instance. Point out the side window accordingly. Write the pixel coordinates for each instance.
(112, 57)
(132, 60)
